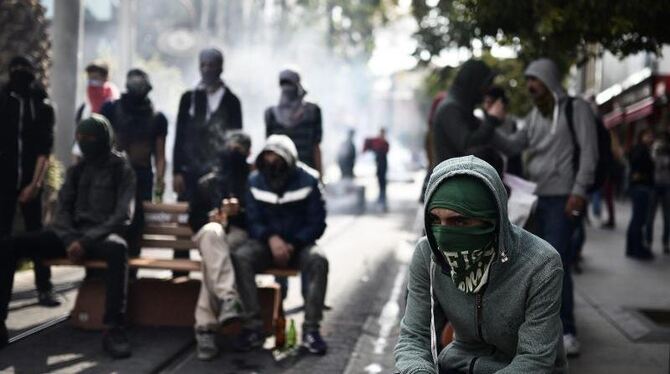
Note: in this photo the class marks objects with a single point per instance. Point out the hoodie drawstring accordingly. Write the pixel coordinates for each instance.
(433, 335)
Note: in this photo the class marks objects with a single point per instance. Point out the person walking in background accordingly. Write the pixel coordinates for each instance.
(205, 115)
(140, 132)
(661, 196)
(296, 118)
(26, 140)
(562, 179)
(346, 156)
(380, 147)
(641, 189)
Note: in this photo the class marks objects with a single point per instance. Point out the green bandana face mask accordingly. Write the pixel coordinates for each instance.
(469, 252)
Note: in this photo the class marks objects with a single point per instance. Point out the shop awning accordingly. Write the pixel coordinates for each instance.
(639, 110)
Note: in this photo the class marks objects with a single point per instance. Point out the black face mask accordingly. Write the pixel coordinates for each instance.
(234, 161)
(276, 175)
(93, 149)
(138, 91)
(20, 80)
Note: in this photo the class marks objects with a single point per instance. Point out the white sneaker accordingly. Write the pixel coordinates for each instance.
(571, 345)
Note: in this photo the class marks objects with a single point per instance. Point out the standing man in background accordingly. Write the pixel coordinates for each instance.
(26, 140)
(205, 115)
(380, 147)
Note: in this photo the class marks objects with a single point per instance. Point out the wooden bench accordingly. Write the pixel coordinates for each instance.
(162, 302)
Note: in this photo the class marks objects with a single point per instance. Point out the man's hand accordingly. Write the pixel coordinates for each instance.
(230, 206)
(575, 206)
(28, 193)
(178, 183)
(281, 251)
(497, 110)
(218, 216)
(75, 252)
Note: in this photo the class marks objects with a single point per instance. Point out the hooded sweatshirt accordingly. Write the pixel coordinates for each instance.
(511, 326)
(297, 213)
(548, 142)
(454, 127)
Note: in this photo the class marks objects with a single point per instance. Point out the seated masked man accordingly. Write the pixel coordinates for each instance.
(286, 214)
(95, 207)
(217, 217)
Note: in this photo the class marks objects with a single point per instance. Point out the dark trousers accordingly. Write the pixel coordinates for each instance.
(32, 218)
(641, 198)
(143, 192)
(554, 226)
(253, 257)
(45, 244)
(660, 196)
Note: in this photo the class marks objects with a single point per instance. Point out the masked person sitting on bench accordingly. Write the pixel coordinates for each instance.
(95, 207)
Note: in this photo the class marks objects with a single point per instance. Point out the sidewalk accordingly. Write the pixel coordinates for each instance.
(614, 337)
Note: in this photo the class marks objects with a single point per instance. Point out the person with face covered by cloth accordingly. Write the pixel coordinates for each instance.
(217, 215)
(473, 260)
(296, 118)
(205, 115)
(95, 207)
(26, 140)
(286, 215)
(140, 132)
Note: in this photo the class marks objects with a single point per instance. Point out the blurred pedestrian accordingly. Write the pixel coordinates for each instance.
(140, 132)
(514, 164)
(26, 140)
(563, 165)
(206, 114)
(641, 189)
(346, 156)
(296, 118)
(661, 194)
(380, 147)
(473, 259)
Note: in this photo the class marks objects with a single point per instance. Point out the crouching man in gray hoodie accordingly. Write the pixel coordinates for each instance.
(563, 167)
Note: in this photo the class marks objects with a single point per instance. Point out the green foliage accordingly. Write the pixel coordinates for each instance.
(562, 30)
(510, 77)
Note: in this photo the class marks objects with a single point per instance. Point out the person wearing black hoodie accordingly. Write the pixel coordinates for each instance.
(140, 132)
(26, 140)
(95, 207)
(217, 215)
(455, 129)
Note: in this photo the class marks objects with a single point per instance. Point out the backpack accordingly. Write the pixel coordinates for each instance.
(605, 157)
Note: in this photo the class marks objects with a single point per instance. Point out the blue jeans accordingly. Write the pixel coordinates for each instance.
(661, 195)
(641, 198)
(557, 229)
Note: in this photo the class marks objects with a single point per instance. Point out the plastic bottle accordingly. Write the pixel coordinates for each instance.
(291, 335)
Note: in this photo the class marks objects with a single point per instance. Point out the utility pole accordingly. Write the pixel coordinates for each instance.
(67, 29)
(127, 34)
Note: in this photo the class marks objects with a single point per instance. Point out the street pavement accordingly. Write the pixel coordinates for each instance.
(368, 256)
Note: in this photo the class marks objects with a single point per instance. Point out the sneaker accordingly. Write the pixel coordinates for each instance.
(207, 348)
(115, 342)
(4, 335)
(48, 299)
(666, 249)
(229, 311)
(314, 343)
(643, 255)
(571, 345)
(249, 340)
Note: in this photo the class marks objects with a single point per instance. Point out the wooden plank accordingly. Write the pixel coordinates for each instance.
(178, 244)
(166, 264)
(183, 231)
(174, 208)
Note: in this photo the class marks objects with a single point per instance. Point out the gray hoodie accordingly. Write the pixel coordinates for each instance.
(548, 141)
(516, 329)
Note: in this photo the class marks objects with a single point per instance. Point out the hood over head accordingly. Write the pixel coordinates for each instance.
(97, 127)
(473, 77)
(283, 146)
(546, 71)
(477, 168)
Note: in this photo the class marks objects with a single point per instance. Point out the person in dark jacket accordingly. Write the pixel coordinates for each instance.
(298, 119)
(454, 128)
(641, 187)
(26, 140)
(286, 215)
(205, 115)
(380, 147)
(95, 207)
(217, 216)
(140, 132)
(661, 194)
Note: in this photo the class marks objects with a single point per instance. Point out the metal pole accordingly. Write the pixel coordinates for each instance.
(67, 23)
